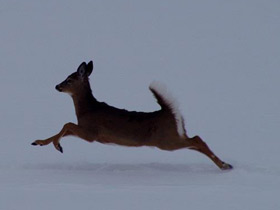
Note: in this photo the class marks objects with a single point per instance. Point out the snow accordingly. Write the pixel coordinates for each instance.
(219, 58)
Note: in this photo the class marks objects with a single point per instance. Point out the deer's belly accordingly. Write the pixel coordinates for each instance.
(120, 141)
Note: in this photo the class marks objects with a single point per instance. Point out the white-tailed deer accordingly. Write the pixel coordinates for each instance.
(100, 122)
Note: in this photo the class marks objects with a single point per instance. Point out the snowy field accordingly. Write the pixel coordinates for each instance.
(220, 59)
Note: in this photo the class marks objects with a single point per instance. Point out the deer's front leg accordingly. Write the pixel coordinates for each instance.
(68, 129)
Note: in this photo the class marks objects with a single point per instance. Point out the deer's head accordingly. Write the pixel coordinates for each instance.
(78, 81)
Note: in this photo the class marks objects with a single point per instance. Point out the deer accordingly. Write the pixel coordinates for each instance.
(100, 122)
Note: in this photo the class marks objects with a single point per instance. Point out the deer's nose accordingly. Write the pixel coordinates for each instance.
(58, 88)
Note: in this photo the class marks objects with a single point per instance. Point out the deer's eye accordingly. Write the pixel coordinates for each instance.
(69, 81)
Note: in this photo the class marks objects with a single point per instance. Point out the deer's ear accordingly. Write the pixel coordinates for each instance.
(89, 68)
(82, 69)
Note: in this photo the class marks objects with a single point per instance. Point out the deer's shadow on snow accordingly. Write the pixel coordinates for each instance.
(153, 167)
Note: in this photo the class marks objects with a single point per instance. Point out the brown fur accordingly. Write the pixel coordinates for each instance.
(100, 122)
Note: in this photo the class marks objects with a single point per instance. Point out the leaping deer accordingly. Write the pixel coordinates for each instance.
(100, 122)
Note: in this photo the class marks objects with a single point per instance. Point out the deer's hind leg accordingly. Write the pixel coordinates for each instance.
(69, 129)
(196, 143)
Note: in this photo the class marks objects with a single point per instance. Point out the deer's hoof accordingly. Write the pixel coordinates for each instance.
(59, 147)
(38, 142)
(226, 166)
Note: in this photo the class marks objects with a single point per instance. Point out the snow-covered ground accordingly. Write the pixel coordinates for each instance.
(220, 59)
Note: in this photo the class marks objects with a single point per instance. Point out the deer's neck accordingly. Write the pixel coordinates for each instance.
(84, 102)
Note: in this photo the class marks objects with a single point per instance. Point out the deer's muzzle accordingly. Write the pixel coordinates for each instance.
(58, 88)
